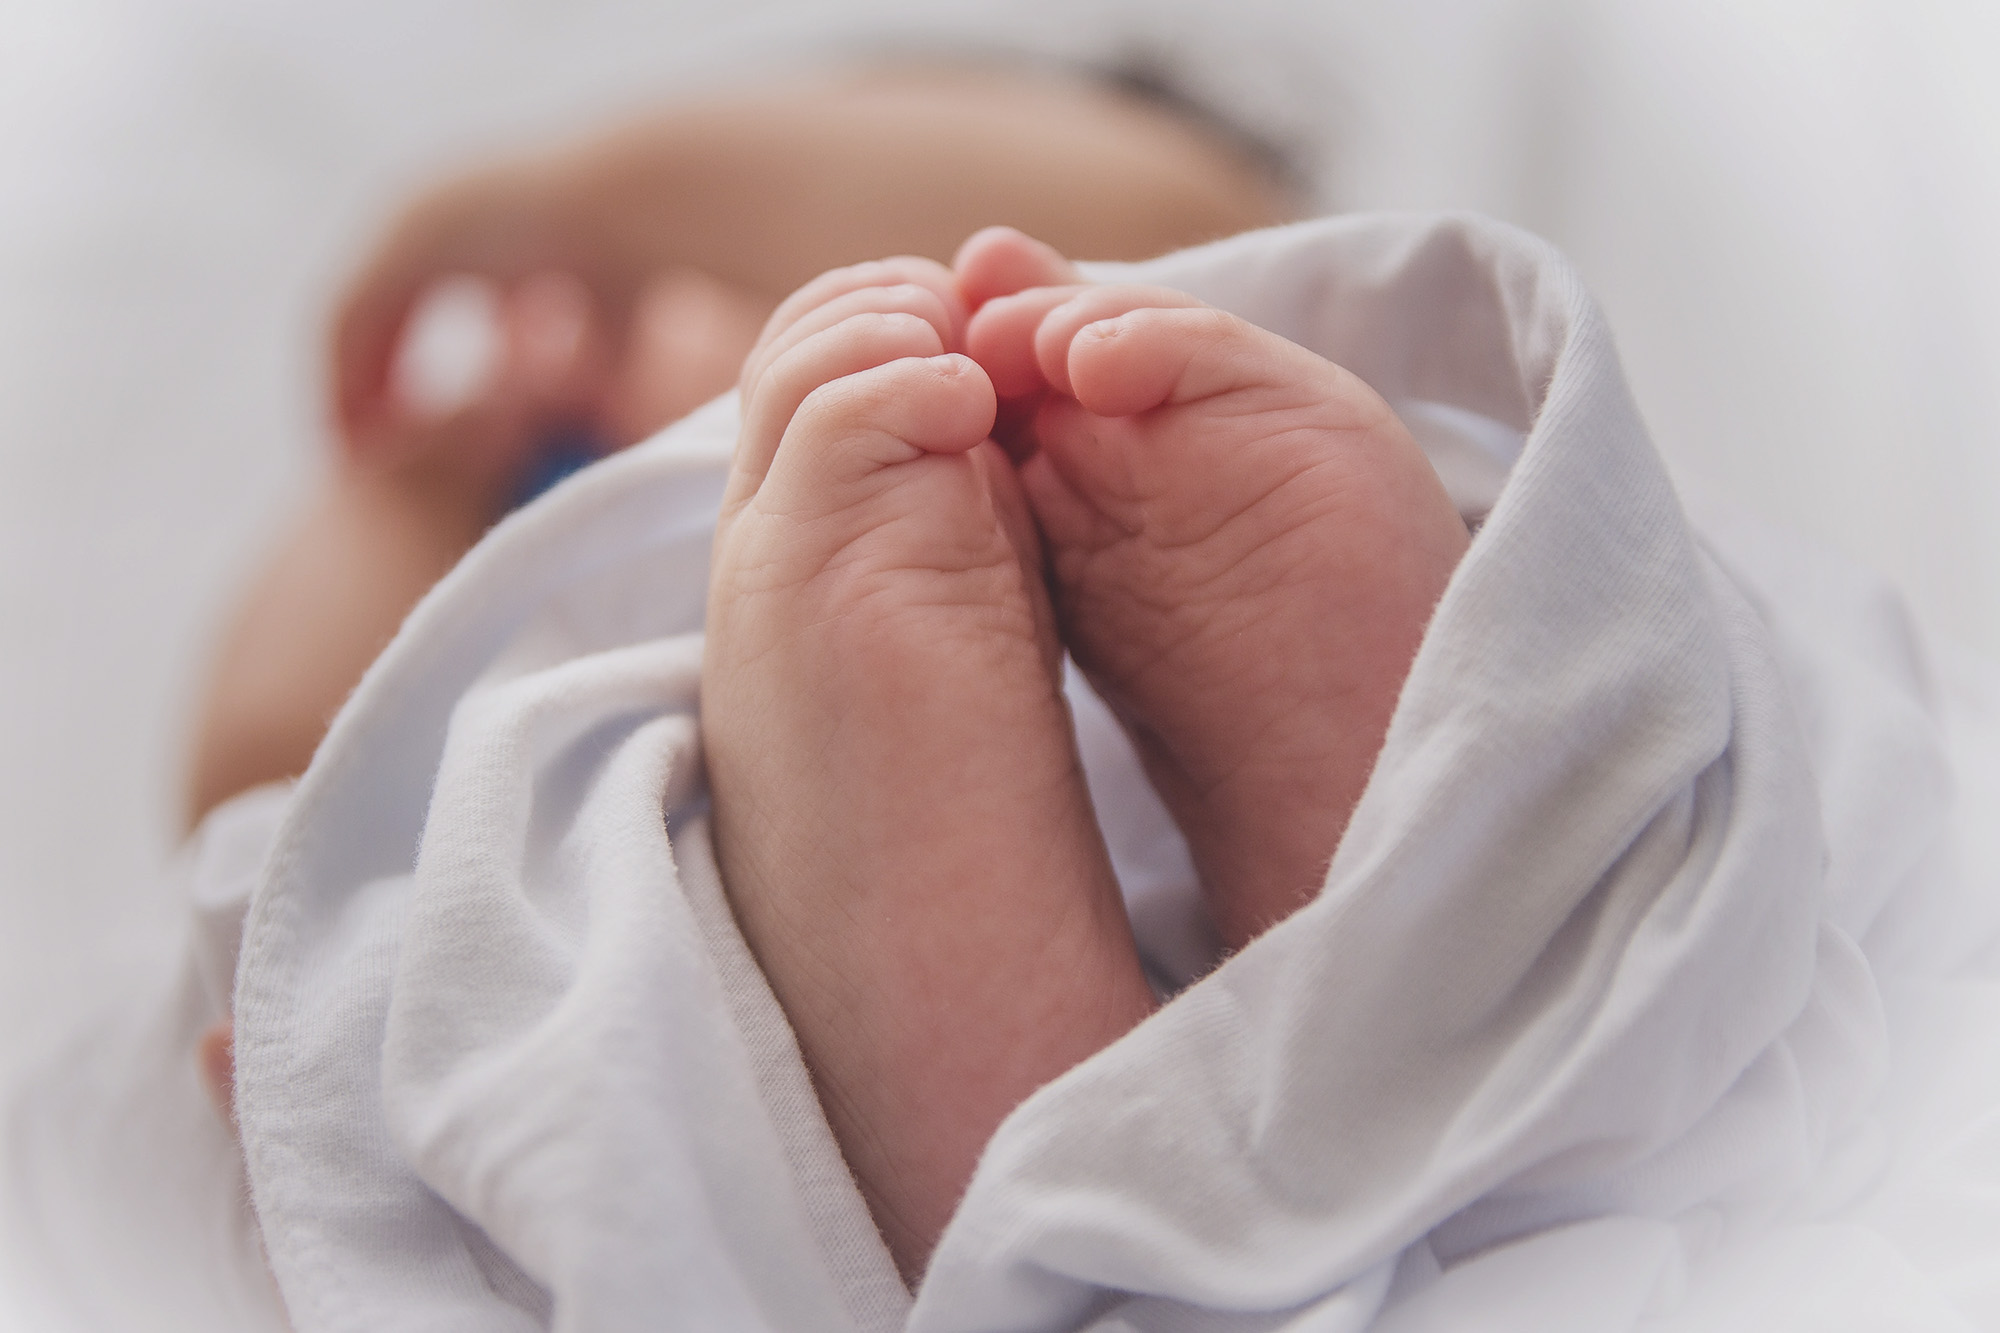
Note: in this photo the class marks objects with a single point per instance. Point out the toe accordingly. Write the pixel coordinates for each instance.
(884, 273)
(1058, 336)
(1022, 339)
(1000, 261)
(1148, 358)
(1001, 338)
(909, 298)
(851, 428)
(862, 340)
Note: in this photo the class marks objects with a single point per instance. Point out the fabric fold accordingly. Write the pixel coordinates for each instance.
(1577, 980)
(1577, 907)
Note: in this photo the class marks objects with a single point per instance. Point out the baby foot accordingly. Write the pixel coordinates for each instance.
(1245, 544)
(899, 813)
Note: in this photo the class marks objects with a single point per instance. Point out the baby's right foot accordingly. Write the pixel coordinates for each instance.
(1246, 546)
(900, 815)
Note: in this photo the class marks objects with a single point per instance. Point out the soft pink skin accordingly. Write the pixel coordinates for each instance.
(900, 816)
(1245, 546)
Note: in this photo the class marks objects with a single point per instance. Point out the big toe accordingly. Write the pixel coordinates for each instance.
(999, 261)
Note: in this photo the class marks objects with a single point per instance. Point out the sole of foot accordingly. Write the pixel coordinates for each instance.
(1245, 547)
(900, 815)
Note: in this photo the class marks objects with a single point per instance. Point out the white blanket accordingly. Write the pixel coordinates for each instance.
(1586, 1031)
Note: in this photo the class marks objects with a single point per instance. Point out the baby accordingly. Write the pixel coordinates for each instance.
(635, 269)
(945, 477)
(1613, 985)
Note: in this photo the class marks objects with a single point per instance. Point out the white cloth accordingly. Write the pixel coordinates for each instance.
(1585, 1015)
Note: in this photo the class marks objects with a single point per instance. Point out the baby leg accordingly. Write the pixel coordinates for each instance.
(900, 815)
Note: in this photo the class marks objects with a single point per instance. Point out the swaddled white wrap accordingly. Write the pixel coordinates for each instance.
(1583, 989)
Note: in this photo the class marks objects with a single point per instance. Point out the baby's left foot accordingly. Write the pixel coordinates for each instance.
(1246, 546)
